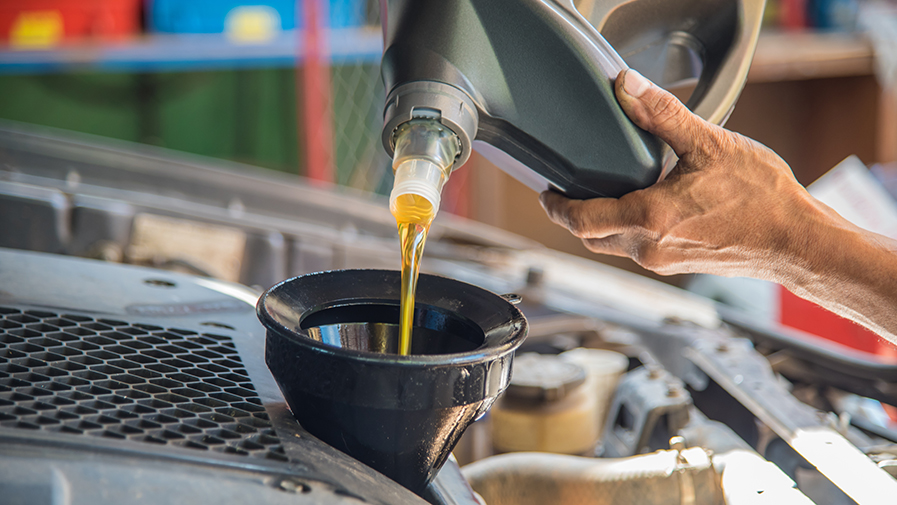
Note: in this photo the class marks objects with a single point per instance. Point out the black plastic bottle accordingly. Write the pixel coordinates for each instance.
(529, 83)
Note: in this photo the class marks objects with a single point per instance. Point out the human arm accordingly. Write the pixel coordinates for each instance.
(732, 207)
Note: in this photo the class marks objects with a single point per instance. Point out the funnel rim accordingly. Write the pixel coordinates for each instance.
(482, 353)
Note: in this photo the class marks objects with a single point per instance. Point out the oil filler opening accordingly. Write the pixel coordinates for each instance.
(373, 327)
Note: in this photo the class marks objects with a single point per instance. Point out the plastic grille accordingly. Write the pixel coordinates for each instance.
(98, 377)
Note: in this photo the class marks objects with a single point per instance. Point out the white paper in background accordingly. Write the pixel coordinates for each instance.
(854, 193)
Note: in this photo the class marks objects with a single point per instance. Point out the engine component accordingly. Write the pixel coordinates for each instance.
(678, 476)
(547, 408)
(78, 195)
(604, 369)
(650, 406)
(684, 477)
(748, 479)
(748, 378)
(82, 196)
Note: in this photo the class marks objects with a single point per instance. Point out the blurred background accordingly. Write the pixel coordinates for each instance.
(130, 131)
(294, 86)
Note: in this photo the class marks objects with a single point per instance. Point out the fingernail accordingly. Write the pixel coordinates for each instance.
(634, 84)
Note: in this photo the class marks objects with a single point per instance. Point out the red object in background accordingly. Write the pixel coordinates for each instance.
(811, 318)
(793, 14)
(34, 24)
(315, 92)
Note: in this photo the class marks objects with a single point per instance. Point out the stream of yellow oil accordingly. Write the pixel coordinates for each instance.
(413, 214)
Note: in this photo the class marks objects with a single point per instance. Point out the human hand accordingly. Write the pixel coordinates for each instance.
(731, 206)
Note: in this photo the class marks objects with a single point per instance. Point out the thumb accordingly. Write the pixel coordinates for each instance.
(657, 111)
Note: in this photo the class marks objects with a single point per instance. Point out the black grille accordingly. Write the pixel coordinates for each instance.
(86, 376)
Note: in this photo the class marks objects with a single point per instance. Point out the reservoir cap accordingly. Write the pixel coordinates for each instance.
(544, 377)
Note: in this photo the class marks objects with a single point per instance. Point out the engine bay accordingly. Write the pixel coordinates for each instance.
(132, 362)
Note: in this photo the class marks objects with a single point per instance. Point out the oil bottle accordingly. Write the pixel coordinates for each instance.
(529, 83)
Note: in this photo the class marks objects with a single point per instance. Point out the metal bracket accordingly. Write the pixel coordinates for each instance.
(649, 407)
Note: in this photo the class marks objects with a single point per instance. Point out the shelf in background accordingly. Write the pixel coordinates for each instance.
(795, 56)
(187, 52)
(779, 56)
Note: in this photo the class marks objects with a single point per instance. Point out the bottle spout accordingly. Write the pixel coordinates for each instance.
(416, 179)
(424, 156)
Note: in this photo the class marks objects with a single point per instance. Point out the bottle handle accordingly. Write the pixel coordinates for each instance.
(627, 24)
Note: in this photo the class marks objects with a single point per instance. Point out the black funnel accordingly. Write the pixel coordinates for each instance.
(331, 343)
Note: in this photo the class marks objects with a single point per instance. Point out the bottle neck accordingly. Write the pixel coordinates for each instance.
(424, 154)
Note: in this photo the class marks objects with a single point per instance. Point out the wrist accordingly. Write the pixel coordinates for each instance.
(848, 270)
(820, 250)
(802, 243)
